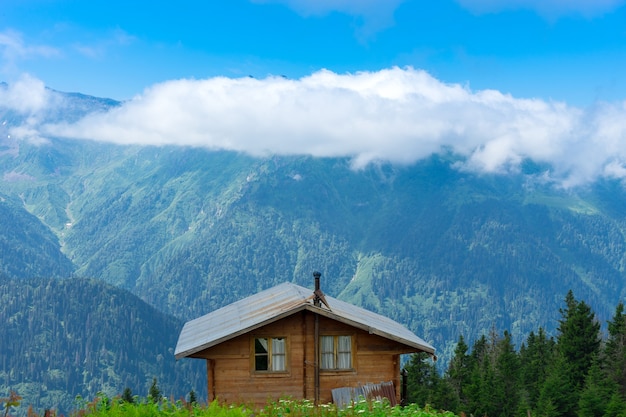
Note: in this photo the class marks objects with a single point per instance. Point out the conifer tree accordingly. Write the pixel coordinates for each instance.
(421, 379)
(483, 392)
(616, 406)
(474, 390)
(192, 397)
(444, 395)
(489, 392)
(506, 377)
(459, 373)
(536, 356)
(615, 349)
(154, 393)
(557, 397)
(127, 396)
(579, 338)
(596, 393)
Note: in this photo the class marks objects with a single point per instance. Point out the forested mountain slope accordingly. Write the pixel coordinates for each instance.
(28, 248)
(443, 251)
(63, 338)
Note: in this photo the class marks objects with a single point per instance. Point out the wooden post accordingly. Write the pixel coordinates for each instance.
(397, 381)
(316, 350)
(210, 372)
(304, 356)
(316, 337)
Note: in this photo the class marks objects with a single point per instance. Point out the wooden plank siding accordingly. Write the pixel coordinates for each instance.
(232, 379)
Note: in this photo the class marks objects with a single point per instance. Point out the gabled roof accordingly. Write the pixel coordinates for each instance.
(279, 302)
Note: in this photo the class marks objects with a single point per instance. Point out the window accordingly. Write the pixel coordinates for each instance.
(270, 354)
(336, 352)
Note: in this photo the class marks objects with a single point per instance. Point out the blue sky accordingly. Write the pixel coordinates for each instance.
(495, 81)
(573, 51)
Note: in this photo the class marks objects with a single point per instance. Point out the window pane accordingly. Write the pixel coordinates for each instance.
(327, 358)
(260, 363)
(278, 354)
(278, 346)
(344, 352)
(344, 344)
(327, 343)
(261, 357)
(260, 345)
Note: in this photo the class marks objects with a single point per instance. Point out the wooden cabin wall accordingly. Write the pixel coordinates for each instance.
(375, 360)
(234, 378)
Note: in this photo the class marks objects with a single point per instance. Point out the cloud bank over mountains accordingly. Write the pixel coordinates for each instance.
(397, 115)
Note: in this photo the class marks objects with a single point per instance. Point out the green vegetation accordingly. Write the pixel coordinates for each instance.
(103, 406)
(578, 374)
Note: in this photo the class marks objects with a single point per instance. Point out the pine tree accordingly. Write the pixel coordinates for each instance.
(557, 397)
(421, 379)
(615, 349)
(445, 396)
(616, 406)
(578, 340)
(474, 390)
(192, 397)
(154, 394)
(596, 393)
(535, 359)
(459, 373)
(507, 376)
(127, 396)
(484, 394)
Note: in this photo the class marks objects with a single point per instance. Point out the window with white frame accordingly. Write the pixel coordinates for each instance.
(335, 352)
(270, 354)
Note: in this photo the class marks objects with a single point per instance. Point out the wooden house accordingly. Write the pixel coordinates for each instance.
(289, 341)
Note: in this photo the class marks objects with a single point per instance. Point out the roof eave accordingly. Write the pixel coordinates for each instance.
(372, 330)
(286, 313)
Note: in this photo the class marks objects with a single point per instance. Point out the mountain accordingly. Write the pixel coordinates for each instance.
(63, 338)
(28, 248)
(188, 230)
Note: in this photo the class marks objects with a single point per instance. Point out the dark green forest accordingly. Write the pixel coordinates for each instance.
(581, 372)
(63, 338)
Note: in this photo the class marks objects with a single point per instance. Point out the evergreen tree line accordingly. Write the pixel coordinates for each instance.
(578, 373)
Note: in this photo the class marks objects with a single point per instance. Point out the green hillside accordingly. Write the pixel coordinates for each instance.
(63, 338)
(27, 247)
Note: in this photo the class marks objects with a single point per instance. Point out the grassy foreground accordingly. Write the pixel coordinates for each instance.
(106, 407)
(282, 408)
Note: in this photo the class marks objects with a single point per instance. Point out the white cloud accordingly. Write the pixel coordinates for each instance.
(547, 8)
(27, 95)
(29, 98)
(396, 115)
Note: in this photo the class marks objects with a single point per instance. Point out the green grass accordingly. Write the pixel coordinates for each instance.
(106, 407)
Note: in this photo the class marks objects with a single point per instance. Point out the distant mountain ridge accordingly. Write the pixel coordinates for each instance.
(189, 230)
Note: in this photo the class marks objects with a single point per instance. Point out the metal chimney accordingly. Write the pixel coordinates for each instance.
(316, 300)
